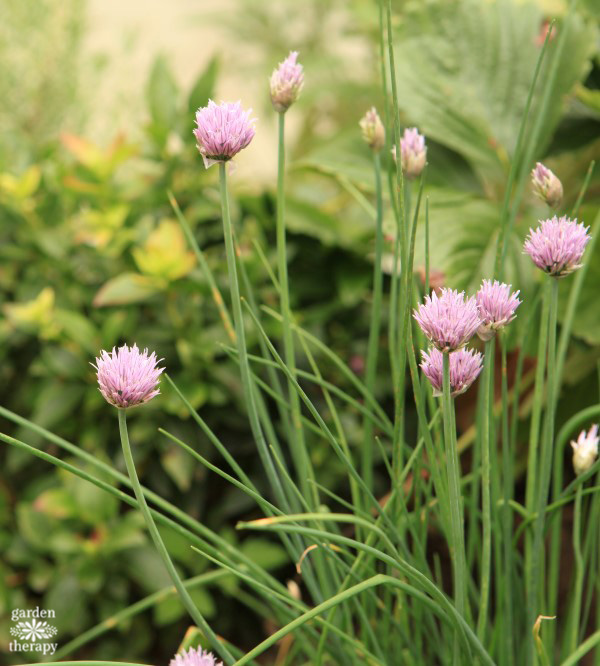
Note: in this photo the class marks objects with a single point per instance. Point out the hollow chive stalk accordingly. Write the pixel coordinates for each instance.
(579, 573)
(184, 595)
(374, 330)
(297, 442)
(534, 591)
(486, 482)
(457, 546)
(240, 334)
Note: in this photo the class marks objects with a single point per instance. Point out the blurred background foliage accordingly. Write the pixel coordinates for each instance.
(92, 256)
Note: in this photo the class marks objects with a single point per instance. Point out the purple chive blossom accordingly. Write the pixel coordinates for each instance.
(286, 83)
(128, 377)
(557, 245)
(465, 366)
(372, 129)
(195, 658)
(585, 450)
(223, 130)
(413, 151)
(546, 185)
(497, 307)
(449, 321)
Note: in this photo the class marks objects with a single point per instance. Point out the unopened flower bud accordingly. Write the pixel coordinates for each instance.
(414, 153)
(372, 130)
(585, 450)
(546, 185)
(286, 83)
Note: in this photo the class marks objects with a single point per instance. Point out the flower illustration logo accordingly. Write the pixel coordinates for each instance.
(33, 630)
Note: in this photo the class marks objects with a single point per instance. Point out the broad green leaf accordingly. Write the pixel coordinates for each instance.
(127, 288)
(162, 93)
(164, 255)
(461, 83)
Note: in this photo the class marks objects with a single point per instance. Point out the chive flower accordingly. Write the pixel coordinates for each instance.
(128, 377)
(286, 83)
(372, 130)
(546, 185)
(465, 366)
(557, 245)
(497, 307)
(195, 657)
(585, 450)
(222, 131)
(449, 320)
(413, 153)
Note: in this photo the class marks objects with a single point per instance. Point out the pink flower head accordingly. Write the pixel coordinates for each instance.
(496, 307)
(449, 321)
(557, 245)
(223, 130)
(128, 377)
(465, 366)
(413, 151)
(286, 83)
(195, 658)
(585, 450)
(546, 185)
(372, 129)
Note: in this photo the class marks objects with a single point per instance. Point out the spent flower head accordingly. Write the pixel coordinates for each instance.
(546, 185)
(195, 657)
(585, 450)
(557, 245)
(128, 377)
(372, 130)
(222, 131)
(413, 152)
(465, 366)
(449, 320)
(286, 83)
(497, 307)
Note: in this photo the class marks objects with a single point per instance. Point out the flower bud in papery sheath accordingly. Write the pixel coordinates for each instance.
(286, 83)
(449, 320)
(546, 185)
(496, 307)
(195, 657)
(128, 377)
(585, 450)
(557, 245)
(372, 130)
(465, 366)
(414, 153)
(222, 131)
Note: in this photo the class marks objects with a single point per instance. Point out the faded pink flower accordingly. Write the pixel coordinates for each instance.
(585, 450)
(195, 657)
(128, 377)
(372, 129)
(286, 83)
(449, 320)
(497, 307)
(223, 130)
(465, 366)
(557, 245)
(546, 185)
(413, 151)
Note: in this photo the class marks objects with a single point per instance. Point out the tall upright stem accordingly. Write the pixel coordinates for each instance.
(186, 600)
(486, 553)
(297, 443)
(579, 571)
(240, 334)
(374, 330)
(534, 591)
(457, 546)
